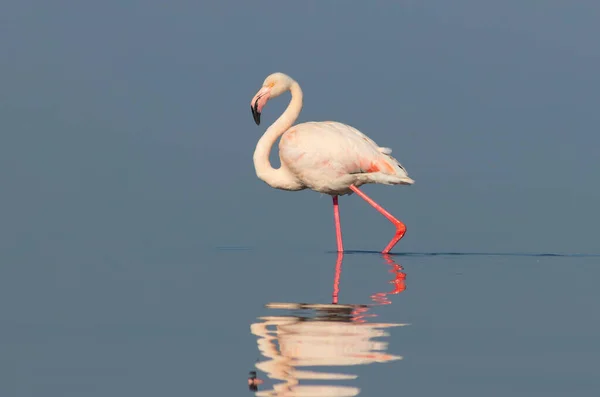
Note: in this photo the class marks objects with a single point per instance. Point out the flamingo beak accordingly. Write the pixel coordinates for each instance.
(258, 102)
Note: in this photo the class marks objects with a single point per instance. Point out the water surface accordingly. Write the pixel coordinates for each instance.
(460, 325)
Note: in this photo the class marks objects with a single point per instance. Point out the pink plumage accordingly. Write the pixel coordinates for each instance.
(328, 157)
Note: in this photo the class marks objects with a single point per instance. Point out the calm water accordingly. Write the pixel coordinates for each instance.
(126, 146)
(462, 325)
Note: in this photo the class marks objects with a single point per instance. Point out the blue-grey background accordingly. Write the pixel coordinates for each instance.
(126, 145)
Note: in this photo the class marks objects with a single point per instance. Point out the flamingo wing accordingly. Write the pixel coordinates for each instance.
(347, 147)
(385, 151)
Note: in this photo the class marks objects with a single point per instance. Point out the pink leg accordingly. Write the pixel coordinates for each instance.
(338, 226)
(400, 227)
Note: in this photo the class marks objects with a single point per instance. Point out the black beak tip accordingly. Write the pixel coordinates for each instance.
(255, 114)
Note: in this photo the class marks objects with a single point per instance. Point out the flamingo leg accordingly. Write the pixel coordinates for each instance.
(338, 226)
(400, 227)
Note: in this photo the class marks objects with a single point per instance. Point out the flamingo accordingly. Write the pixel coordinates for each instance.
(327, 157)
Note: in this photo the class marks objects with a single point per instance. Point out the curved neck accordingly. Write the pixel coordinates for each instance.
(279, 178)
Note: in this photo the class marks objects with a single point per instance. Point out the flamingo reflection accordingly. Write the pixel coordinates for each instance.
(323, 335)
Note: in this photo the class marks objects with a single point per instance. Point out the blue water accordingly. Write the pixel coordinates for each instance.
(141, 256)
(465, 325)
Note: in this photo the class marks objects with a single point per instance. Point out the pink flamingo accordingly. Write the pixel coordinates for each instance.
(327, 157)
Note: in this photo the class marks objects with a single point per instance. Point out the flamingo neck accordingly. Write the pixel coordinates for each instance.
(279, 178)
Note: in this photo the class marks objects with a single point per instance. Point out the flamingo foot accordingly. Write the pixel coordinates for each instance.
(400, 230)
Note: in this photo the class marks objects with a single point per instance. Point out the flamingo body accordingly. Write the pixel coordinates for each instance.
(329, 157)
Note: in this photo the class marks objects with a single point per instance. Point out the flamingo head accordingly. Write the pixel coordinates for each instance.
(274, 85)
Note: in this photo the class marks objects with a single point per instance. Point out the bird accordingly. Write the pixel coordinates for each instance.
(327, 157)
(253, 381)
